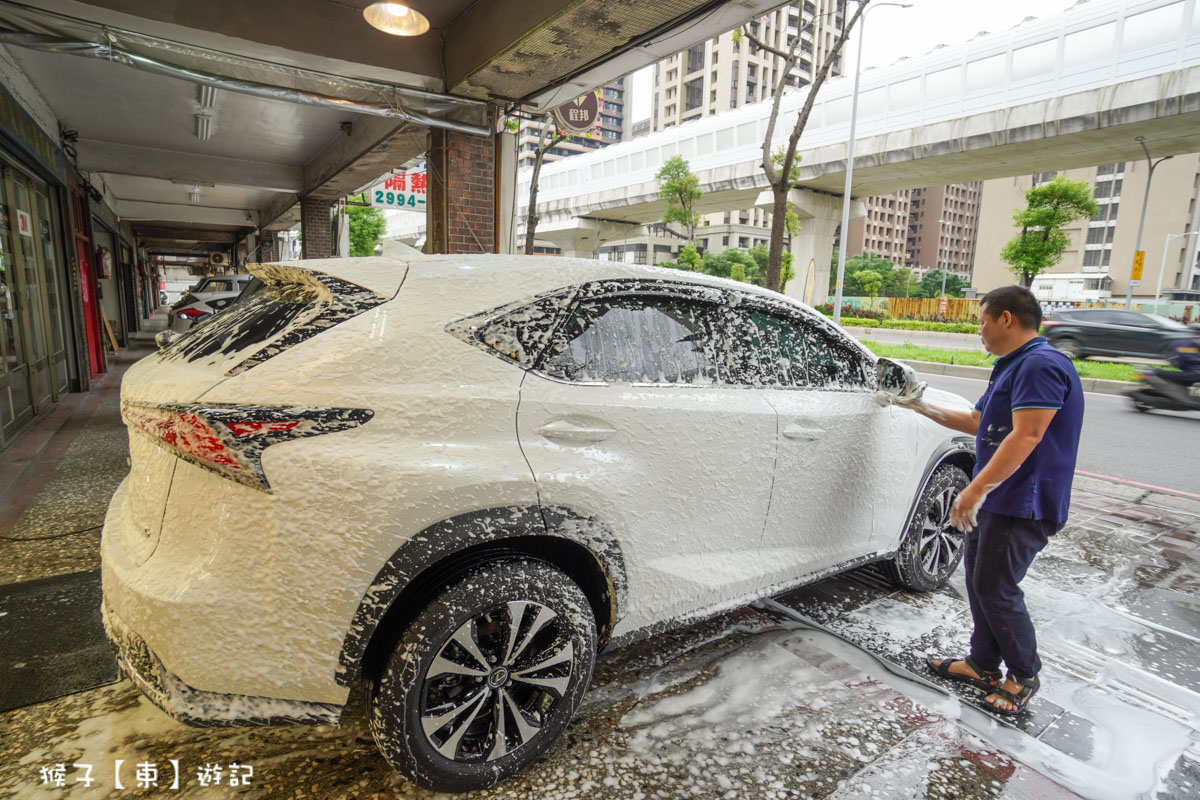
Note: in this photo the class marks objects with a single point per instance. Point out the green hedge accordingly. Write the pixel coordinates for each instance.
(911, 325)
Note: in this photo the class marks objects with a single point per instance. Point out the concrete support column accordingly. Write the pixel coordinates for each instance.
(812, 248)
(316, 228)
(461, 212)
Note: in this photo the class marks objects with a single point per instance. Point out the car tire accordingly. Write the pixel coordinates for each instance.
(456, 731)
(1069, 348)
(931, 548)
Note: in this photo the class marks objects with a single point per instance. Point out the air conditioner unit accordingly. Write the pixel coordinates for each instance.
(218, 259)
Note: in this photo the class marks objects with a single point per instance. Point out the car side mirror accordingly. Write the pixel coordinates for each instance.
(897, 379)
(164, 338)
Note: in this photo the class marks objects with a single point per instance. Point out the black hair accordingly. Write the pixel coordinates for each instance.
(1016, 300)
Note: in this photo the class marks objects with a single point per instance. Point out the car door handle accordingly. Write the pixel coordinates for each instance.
(573, 432)
(797, 431)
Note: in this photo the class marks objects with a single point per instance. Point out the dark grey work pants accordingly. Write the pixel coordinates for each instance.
(996, 556)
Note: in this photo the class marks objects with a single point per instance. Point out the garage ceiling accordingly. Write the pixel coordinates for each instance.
(260, 154)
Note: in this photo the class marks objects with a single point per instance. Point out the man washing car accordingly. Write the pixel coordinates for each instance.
(1026, 429)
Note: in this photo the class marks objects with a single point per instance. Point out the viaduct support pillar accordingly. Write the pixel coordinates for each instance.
(461, 210)
(812, 248)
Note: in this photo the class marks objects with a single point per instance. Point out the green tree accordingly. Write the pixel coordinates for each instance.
(1040, 242)
(780, 171)
(869, 281)
(931, 285)
(892, 281)
(680, 188)
(366, 229)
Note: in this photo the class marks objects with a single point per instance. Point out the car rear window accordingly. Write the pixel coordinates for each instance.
(271, 319)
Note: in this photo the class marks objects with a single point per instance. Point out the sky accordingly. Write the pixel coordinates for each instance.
(892, 33)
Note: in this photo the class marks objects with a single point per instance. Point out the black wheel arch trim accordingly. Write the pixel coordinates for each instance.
(960, 451)
(579, 544)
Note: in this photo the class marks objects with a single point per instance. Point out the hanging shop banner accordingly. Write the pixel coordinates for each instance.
(579, 115)
(403, 190)
(19, 127)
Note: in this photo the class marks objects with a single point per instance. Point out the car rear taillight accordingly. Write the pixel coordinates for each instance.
(229, 439)
(190, 313)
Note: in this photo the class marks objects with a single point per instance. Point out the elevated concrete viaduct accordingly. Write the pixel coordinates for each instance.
(1067, 91)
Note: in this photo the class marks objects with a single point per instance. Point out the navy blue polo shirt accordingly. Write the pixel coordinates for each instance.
(1033, 376)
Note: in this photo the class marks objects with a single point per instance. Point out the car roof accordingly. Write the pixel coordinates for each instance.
(489, 280)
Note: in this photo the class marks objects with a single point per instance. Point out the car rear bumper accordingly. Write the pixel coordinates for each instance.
(200, 708)
(207, 631)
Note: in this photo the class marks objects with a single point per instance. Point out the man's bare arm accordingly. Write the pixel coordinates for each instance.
(954, 419)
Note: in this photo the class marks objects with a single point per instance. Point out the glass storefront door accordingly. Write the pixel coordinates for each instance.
(33, 320)
(56, 294)
(16, 406)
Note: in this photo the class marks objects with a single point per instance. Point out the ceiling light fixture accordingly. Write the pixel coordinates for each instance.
(396, 19)
(208, 96)
(203, 127)
(194, 194)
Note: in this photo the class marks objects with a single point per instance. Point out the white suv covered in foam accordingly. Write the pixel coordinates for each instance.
(454, 478)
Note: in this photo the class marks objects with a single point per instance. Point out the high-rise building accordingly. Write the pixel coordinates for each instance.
(722, 73)
(942, 228)
(1099, 259)
(883, 230)
(921, 229)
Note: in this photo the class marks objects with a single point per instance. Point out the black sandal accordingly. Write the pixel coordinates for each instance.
(1029, 688)
(987, 681)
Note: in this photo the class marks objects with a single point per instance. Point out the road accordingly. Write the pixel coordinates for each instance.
(1159, 448)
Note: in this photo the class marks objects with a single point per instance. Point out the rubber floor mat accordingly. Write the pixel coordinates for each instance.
(52, 642)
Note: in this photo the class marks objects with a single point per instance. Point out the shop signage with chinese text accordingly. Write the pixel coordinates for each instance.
(403, 191)
(579, 115)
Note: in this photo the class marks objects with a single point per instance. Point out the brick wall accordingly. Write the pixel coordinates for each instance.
(266, 248)
(316, 228)
(468, 165)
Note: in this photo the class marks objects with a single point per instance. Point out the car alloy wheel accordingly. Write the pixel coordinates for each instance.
(485, 678)
(931, 547)
(940, 542)
(1069, 348)
(492, 685)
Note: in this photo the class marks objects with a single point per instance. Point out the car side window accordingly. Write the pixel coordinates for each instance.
(637, 339)
(773, 352)
(832, 362)
(522, 333)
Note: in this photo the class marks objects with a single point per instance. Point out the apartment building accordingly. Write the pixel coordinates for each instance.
(943, 227)
(1098, 262)
(921, 229)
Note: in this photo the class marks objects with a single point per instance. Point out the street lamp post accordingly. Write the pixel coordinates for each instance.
(841, 267)
(1142, 223)
(1163, 266)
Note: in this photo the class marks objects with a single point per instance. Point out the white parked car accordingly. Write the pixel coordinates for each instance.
(210, 295)
(453, 479)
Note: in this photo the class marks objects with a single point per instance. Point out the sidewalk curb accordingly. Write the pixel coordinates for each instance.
(1095, 385)
(1136, 494)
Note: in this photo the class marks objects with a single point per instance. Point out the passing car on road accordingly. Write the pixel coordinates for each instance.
(206, 298)
(1084, 332)
(451, 480)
